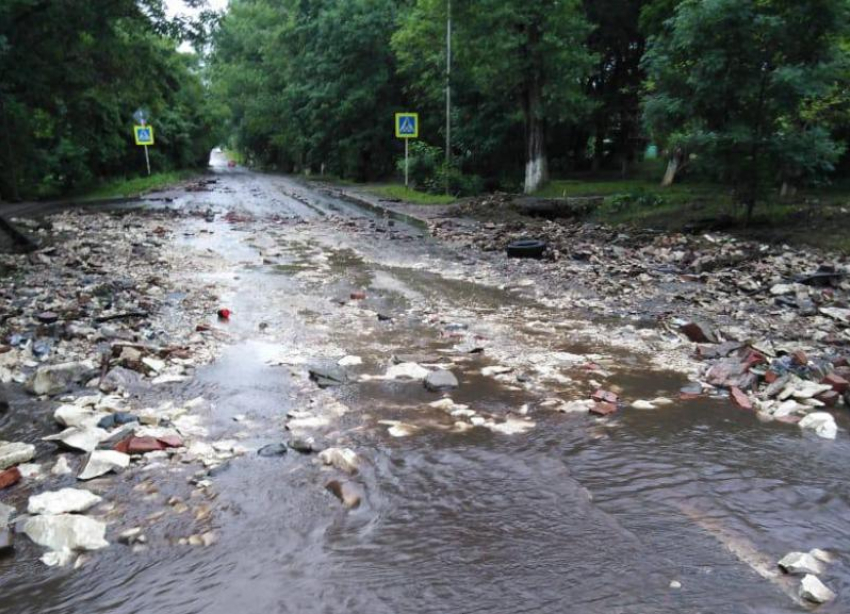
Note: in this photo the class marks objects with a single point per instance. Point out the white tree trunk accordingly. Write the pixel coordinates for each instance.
(536, 164)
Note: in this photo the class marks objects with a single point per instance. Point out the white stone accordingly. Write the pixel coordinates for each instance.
(407, 370)
(101, 462)
(675, 584)
(800, 563)
(344, 459)
(65, 501)
(58, 558)
(350, 361)
(511, 426)
(812, 589)
(154, 364)
(641, 404)
(12, 454)
(30, 471)
(575, 407)
(74, 415)
(822, 423)
(823, 556)
(66, 532)
(495, 370)
(85, 439)
(61, 467)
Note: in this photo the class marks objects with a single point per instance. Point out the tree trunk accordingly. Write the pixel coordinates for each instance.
(536, 164)
(598, 148)
(674, 165)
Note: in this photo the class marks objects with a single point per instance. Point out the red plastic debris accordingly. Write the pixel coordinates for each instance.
(604, 396)
(10, 477)
(603, 409)
(739, 398)
(224, 314)
(838, 383)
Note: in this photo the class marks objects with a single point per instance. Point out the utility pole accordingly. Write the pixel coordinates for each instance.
(448, 92)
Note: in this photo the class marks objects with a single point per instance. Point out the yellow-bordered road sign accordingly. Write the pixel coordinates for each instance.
(144, 135)
(407, 125)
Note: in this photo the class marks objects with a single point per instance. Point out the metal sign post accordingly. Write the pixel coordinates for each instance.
(407, 127)
(143, 134)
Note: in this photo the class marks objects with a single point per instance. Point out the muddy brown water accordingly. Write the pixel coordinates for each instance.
(576, 515)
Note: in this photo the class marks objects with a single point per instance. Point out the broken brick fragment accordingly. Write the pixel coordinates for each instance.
(170, 441)
(10, 477)
(603, 409)
(739, 398)
(139, 445)
(800, 358)
(699, 332)
(838, 383)
(828, 398)
(605, 396)
(771, 376)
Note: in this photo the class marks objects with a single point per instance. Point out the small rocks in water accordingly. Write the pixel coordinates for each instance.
(328, 375)
(79, 438)
(822, 423)
(9, 477)
(511, 426)
(344, 459)
(15, 453)
(304, 445)
(812, 589)
(66, 532)
(641, 404)
(101, 462)
(800, 563)
(57, 558)
(272, 449)
(440, 381)
(65, 501)
(345, 492)
(131, 536)
(675, 584)
(740, 398)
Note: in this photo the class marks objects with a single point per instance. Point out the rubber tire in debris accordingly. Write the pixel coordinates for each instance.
(527, 248)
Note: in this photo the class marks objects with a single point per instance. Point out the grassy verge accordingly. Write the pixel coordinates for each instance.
(399, 192)
(125, 188)
(235, 156)
(819, 218)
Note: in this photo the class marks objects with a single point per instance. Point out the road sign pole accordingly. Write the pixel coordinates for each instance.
(147, 160)
(406, 164)
(448, 91)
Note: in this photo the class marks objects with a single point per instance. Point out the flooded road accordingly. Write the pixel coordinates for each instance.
(685, 508)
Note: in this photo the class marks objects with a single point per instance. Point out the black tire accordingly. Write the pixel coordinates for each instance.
(527, 248)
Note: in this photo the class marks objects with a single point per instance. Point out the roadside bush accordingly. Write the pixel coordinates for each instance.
(428, 172)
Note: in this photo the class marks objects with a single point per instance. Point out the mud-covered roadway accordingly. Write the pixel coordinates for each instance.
(508, 498)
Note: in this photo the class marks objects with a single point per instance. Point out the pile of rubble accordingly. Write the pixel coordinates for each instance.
(773, 321)
(94, 321)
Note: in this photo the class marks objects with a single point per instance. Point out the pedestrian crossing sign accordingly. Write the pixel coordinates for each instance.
(144, 135)
(407, 125)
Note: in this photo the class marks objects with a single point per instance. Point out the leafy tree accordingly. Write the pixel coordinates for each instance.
(736, 82)
(518, 65)
(73, 73)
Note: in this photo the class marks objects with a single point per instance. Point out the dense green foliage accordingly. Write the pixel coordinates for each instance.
(72, 75)
(745, 85)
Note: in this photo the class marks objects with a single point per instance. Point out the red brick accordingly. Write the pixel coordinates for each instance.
(838, 383)
(739, 398)
(771, 376)
(754, 358)
(171, 441)
(800, 358)
(140, 445)
(123, 446)
(10, 477)
(604, 396)
(603, 409)
(688, 396)
(829, 398)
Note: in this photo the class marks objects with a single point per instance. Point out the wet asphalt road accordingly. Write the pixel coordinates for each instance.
(574, 515)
